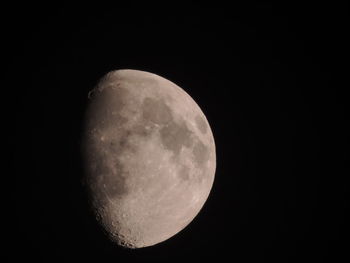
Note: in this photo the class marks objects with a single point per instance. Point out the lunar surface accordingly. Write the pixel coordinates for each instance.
(149, 157)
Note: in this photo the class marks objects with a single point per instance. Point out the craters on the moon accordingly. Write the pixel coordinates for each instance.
(111, 177)
(149, 154)
(156, 116)
(108, 107)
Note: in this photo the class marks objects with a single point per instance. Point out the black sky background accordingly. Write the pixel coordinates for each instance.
(272, 81)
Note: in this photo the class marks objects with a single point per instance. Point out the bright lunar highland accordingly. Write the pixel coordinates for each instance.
(149, 157)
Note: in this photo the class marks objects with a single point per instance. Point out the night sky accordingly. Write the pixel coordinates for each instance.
(272, 81)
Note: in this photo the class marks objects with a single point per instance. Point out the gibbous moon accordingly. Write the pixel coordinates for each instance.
(149, 157)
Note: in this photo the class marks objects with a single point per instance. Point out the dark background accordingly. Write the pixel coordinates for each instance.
(272, 81)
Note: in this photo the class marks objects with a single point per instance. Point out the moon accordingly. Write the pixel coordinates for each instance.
(149, 157)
